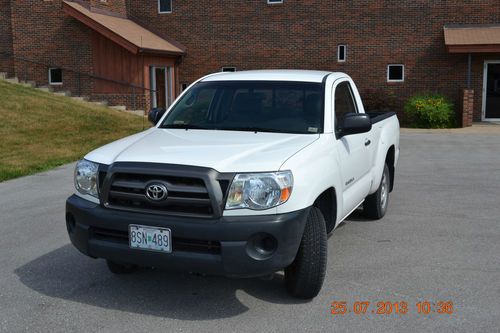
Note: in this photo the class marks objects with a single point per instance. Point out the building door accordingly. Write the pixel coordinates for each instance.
(161, 87)
(491, 108)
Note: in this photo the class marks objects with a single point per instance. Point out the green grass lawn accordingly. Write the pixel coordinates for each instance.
(39, 131)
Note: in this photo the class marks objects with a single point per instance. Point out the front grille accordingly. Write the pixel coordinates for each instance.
(186, 196)
(178, 244)
(193, 191)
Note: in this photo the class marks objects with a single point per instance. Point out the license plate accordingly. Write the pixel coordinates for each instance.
(150, 238)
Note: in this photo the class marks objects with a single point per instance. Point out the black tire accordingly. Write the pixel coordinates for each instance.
(376, 204)
(117, 268)
(304, 277)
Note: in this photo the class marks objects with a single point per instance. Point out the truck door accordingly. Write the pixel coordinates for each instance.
(354, 158)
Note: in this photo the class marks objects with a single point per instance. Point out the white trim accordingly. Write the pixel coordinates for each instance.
(403, 80)
(169, 85)
(152, 84)
(50, 77)
(485, 83)
(338, 52)
(165, 12)
(274, 2)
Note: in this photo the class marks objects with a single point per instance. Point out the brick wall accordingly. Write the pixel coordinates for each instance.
(468, 107)
(117, 7)
(250, 34)
(137, 101)
(47, 38)
(305, 34)
(6, 64)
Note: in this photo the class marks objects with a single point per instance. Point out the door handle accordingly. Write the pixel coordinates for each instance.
(367, 142)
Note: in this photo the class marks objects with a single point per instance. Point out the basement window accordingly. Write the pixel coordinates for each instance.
(228, 69)
(184, 86)
(341, 53)
(395, 73)
(164, 6)
(55, 76)
(272, 2)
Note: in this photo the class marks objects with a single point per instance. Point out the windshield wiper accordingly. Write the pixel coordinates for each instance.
(253, 129)
(186, 126)
(236, 128)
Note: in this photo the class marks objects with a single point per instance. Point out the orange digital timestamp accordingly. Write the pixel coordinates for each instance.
(387, 308)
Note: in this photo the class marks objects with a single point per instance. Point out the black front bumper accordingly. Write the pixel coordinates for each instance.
(222, 246)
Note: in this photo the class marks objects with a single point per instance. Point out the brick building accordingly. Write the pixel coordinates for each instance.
(142, 53)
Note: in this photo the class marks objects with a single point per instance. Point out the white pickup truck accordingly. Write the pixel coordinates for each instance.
(243, 176)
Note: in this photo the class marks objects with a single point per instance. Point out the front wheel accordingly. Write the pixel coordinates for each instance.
(375, 204)
(304, 277)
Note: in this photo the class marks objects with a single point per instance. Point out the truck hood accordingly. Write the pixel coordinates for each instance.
(224, 151)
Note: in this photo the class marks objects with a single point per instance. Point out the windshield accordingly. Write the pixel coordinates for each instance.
(260, 106)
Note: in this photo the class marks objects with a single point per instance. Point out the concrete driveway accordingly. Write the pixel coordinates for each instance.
(440, 241)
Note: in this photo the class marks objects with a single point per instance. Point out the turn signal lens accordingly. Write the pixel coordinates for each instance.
(285, 194)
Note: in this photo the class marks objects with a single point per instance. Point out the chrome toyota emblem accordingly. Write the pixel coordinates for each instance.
(156, 192)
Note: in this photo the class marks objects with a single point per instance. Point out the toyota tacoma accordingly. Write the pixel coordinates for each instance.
(244, 175)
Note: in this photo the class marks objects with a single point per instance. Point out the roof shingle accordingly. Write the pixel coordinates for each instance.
(472, 35)
(123, 31)
(472, 38)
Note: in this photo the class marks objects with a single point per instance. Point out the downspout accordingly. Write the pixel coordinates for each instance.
(177, 63)
(469, 71)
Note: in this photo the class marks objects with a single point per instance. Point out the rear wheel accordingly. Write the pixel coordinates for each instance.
(375, 204)
(304, 277)
(117, 268)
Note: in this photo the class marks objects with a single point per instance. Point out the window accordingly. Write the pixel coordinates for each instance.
(55, 76)
(164, 6)
(344, 102)
(184, 86)
(395, 73)
(266, 106)
(341, 53)
(272, 2)
(228, 69)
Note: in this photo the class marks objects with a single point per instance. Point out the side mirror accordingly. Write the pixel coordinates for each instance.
(155, 115)
(355, 123)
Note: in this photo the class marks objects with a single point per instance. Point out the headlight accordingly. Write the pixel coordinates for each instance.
(259, 191)
(86, 177)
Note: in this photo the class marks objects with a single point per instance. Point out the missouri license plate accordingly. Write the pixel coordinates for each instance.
(150, 238)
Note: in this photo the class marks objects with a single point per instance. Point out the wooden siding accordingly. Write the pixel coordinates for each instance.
(115, 63)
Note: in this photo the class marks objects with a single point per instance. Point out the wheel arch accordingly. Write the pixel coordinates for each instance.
(389, 160)
(326, 202)
(385, 155)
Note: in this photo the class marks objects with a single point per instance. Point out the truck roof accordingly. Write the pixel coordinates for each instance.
(273, 75)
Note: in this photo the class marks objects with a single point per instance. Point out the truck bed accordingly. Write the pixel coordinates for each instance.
(379, 116)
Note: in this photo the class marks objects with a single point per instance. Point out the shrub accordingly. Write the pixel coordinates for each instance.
(430, 111)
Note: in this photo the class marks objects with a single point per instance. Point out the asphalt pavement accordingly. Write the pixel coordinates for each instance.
(439, 242)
